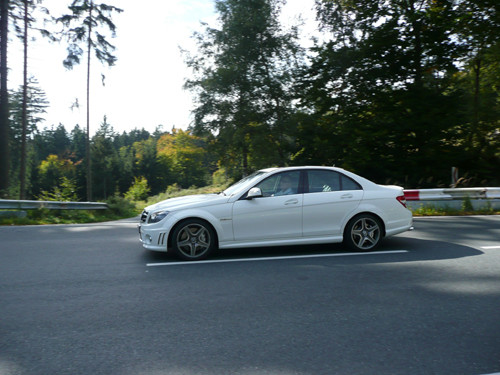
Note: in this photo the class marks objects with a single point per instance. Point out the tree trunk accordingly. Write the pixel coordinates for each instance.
(244, 160)
(413, 18)
(24, 116)
(4, 100)
(87, 143)
(417, 28)
(477, 89)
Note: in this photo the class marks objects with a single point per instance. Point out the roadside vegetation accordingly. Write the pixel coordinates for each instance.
(133, 203)
(119, 207)
(430, 210)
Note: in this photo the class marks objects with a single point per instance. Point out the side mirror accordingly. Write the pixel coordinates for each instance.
(254, 192)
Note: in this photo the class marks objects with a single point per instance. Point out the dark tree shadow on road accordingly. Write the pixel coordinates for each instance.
(416, 250)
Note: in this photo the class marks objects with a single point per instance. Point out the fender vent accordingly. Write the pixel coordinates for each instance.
(161, 238)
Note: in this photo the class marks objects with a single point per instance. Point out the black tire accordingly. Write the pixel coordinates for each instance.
(363, 233)
(193, 239)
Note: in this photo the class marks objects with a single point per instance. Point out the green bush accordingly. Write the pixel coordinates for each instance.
(467, 204)
(64, 192)
(122, 207)
(220, 177)
(139, 190)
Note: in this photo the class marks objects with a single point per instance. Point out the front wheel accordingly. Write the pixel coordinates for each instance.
(363, 233)
(193, 240)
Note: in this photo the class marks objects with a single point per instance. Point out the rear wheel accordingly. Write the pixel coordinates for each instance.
(193, 239)
(363, 233)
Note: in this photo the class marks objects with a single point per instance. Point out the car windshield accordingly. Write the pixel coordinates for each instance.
(246, 181)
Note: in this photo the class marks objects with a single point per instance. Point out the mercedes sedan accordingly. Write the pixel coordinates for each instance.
(278, 207)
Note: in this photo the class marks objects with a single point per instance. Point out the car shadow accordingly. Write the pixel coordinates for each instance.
(415, 250)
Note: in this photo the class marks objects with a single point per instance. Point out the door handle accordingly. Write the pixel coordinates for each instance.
(346, 196)
(291, 201)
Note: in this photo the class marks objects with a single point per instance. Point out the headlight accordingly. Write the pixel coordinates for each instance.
(157, 216)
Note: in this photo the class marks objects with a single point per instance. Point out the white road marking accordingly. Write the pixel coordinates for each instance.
(274, 258)
(490, 247)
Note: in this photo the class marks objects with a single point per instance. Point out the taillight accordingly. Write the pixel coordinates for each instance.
(401, 199)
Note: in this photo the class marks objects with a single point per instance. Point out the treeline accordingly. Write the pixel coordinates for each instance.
(399, 91)
(136, 163)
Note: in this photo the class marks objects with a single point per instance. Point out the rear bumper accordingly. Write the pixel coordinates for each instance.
(400, 226)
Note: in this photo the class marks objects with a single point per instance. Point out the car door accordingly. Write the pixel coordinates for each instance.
(329, 198)
(275, 215)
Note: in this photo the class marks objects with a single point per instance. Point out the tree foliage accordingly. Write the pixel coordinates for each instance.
(243, 79)
(86, 27)
(139, 190)
(183, 154)
(28, 106)
(383, 90)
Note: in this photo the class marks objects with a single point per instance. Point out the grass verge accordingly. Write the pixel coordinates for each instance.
(446, 211)
(121, 208)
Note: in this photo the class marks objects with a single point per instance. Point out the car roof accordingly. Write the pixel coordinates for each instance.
(267, 170)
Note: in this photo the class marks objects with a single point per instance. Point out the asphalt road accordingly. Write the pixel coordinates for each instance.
(87, 299)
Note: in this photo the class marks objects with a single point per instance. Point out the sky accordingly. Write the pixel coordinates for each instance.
(144, 88)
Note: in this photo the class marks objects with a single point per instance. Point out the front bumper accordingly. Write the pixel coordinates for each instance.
(155, 239)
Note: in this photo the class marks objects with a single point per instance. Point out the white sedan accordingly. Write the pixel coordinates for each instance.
(277, 207)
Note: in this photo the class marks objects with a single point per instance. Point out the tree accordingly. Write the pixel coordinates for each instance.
(146, 164)
(181, 153)
(243, 81)
(53, 140)
(52, 170)
(86, 25)
(27, 9)
(139, 190)
(4, 99)
(126, 158)
(49, 141)
(379, 88)
(28, 105)
(478, 30)
(479, 128)
(78, 141)
(22, 172)
(104, 161)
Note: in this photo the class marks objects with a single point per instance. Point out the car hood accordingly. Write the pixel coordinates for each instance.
(189, 201)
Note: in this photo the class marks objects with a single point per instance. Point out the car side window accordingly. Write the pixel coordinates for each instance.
(349, 184)
(285, 183)
(323, 181)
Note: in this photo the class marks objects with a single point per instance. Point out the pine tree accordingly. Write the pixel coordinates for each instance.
(28, 106)
(85, 26)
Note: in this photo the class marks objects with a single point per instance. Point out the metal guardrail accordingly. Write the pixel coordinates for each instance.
(9, 204)
(453, 198)
(452, 194)
(435, 195)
